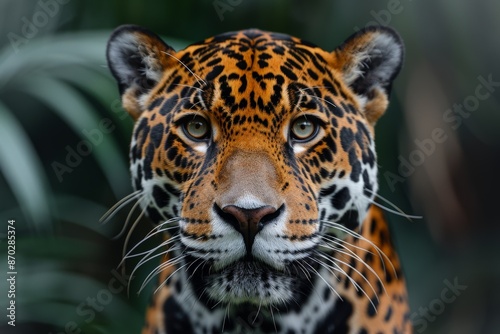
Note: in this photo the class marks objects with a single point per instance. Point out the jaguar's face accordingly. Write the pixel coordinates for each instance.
(256, 145)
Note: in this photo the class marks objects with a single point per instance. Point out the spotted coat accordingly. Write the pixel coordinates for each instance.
(253, 152)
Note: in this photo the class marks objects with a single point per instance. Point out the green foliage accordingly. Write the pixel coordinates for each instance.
(55, 88)
(53, 92)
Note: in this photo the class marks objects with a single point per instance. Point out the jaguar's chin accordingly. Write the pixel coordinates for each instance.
(254, 282)
(250, 282)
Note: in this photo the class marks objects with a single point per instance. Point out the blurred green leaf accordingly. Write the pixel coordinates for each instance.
(85, 213)
(23, 170)
(54, 51)
(80, 116)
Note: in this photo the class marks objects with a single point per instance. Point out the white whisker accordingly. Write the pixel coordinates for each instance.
(304, 270)
(189, 86)
(169, 221)
(134, 225)
(323, 279)
(332, 259)
(124, 228)
(226, 313)
(165, 281)
(257, 314)
(398, 211)
(195, 269)
(195, 104)
(158, 269)
(163, 244)
(156, 230)
(355, 256)
(356, 285)
(272, 316)
(340, 242)
(118, 206)
(337, 268)
(197, 77)
(360, 237)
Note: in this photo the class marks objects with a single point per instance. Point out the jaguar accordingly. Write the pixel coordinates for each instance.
(253, 155)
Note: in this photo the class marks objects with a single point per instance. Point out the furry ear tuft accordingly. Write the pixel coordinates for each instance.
(369, 61)
(371, 58)
(137, 59)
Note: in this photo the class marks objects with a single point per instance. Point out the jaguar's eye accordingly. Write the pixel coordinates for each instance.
(303, 129)
(197, 128)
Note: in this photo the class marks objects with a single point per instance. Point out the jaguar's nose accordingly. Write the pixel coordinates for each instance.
(248, 221)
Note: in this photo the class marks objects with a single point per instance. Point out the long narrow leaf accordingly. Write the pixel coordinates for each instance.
(86, 213)
(23, 170)
(105, 91)
(56, 51)
(80, 116)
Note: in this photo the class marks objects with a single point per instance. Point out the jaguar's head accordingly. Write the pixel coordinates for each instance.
(258, 146)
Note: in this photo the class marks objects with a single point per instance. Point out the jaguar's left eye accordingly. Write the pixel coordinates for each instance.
(303, 129)
(197, 128)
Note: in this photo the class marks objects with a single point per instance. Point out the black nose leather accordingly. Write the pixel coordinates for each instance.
(249, 221)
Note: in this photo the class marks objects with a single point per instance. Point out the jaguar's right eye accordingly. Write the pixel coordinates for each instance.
(196, 128)
(303, 129)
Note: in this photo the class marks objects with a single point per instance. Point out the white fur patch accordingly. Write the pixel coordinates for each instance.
(248, 201)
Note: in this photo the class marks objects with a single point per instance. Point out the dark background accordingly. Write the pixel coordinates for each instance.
(55, 88)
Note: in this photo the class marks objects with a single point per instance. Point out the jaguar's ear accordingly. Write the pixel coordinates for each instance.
(137, 59)
(369, 61)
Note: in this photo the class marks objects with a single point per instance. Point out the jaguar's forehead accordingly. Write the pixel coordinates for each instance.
(264, 55)
(254, 41)
(253, 76)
